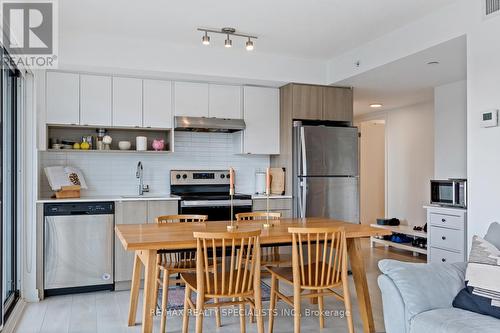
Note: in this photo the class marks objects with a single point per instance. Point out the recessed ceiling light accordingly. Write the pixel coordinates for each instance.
(433, 63)
(376, 105)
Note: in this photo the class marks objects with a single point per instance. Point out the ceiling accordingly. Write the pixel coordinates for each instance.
(313, 29)
(409, 80)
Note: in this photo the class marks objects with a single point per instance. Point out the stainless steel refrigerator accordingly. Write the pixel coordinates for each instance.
(325, 171)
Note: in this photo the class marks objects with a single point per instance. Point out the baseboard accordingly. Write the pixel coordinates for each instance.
(15, 317)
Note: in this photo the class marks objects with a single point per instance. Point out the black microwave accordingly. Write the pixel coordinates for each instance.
(451, 192)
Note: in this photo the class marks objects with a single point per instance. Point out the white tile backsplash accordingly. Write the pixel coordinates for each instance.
(114, 174)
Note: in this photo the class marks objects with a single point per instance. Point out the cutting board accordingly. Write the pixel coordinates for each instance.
(277, 181)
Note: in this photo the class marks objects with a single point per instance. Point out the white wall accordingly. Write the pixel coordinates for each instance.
(114, 174)
(483, 152)
(372, 171)
(450, 130)
(410, 161)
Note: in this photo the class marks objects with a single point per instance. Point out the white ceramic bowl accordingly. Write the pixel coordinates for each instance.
(124, 145)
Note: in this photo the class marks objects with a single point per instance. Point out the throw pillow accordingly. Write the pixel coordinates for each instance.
(493, 234)
(482, 283)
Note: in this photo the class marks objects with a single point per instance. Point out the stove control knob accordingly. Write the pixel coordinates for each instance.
(184, 176)
(178, 176)
(222, 176)
(228, 176)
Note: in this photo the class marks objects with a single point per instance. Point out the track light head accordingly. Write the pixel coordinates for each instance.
(249, 45)
(228, 42)
(206, 39)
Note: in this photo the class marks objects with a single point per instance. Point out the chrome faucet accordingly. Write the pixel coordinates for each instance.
(139, 174)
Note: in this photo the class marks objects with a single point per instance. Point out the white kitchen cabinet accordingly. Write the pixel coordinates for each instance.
(262, 118)
(95, 100)
(191, 99)
(157, 97)
(63, 98)
(160, 208)
(127, 212)
(224, 101)
(127, 102)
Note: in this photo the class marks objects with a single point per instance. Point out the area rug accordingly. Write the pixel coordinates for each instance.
(176, 296)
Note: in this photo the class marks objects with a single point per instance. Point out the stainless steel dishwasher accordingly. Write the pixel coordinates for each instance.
(78, 247)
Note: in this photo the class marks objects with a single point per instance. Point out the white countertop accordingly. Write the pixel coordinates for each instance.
(273, 196)
(145, 197)
(445, 207)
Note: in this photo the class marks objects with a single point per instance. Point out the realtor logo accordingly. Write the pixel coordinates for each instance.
(29, 32)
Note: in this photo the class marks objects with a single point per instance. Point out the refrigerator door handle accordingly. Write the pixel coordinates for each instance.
(303, 155)
(304, 201)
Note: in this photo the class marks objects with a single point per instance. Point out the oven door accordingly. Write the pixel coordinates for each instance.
(442, 192)
(215, 212)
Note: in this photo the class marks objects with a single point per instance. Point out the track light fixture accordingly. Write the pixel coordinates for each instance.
(249, 45)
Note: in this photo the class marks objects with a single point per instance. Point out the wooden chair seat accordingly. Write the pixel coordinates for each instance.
(232, 287)
(285, 274)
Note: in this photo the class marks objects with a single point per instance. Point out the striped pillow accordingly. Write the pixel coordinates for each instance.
(482, 280)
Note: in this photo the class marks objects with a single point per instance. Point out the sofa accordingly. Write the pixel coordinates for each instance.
(417, 298)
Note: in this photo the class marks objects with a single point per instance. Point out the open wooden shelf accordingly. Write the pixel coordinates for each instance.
(75, 133)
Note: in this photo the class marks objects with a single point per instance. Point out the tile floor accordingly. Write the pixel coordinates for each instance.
(106, 312)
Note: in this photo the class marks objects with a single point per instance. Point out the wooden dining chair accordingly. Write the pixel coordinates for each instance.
(319, 272)
(173, 263)
(270, 255)
(231, 281)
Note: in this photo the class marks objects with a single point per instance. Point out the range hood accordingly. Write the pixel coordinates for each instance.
(204, 124)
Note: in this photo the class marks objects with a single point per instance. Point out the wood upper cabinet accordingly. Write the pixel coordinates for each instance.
(157, 96)
(127, 102)
(307, 102)
(191, 99)
(310, 102)
(95, 100)
(63, 98)
(337, 104)
(224, 101)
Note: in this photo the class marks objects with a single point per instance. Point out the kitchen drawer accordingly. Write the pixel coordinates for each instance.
(447, 238)
(447, 221)
(440, 256)
(274, 204)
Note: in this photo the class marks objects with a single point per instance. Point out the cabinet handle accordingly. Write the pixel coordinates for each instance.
(443, 259)
(443, 220)
(443, 237)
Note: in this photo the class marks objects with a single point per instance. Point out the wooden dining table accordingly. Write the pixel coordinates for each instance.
(147, 239)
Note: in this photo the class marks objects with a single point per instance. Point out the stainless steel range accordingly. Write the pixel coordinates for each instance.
(206, 192)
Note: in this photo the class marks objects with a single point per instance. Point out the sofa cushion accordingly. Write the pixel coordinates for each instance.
(482, 291)
(493, 234)
(453, 320)
(424, 287)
